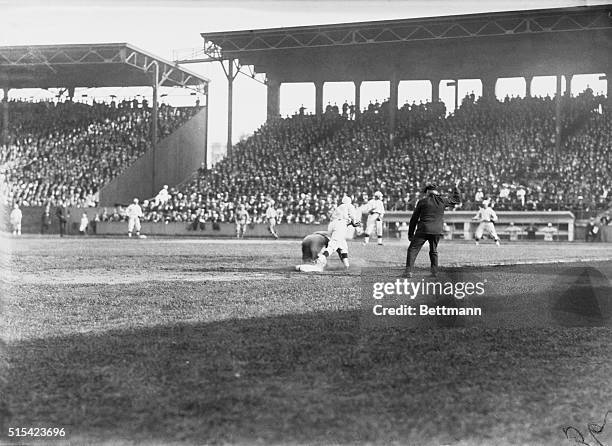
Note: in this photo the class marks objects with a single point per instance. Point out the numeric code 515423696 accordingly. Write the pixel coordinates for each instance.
(36, 432)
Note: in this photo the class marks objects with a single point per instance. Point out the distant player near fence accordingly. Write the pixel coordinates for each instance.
(513, 231)
(271, 216)
(486, 217)
(15, 219)
(376, 211)
(242, 220)
(550, 232)
(134, 214)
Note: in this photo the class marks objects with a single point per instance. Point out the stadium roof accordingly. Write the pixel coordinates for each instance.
(88, 65)
(502, 43)
(417, 29)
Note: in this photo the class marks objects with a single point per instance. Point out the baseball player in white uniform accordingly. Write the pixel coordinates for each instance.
(549, 232)
(271, 218)
(134, 213)
(242, 219)
(486, 218)
(163, 196)
(341, 217)
(15, 218)
(376, 210)
(514, 232)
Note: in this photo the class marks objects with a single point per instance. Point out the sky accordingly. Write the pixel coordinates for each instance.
(162, 26)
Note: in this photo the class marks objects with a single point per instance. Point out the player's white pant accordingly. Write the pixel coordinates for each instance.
(240, 229)
(133, 224)
(337, 238)
(486, 227)
(337, 242)
(272, 227)
(374, 223)
(17, 228)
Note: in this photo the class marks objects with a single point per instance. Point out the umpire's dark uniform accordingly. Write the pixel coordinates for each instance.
(427, 219)
(62, 215)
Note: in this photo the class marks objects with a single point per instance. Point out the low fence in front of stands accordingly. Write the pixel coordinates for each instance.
(297, 230)
(462, 227)
(460, 223)
(31, 221)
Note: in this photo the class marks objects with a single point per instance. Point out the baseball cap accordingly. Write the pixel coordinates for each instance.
(430, 186)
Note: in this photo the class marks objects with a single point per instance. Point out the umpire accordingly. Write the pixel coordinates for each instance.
(427, 219)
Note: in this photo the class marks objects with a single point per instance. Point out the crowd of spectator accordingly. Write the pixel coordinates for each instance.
(503, 151)
(65, 152)
(507, 152)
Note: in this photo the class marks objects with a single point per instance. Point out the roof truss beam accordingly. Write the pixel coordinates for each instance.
(225, 45)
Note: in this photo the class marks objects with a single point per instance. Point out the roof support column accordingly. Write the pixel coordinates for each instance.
(435, 90)
(319, 97)
(5, 117)
(230, 75)
(568, 84)
(393, 88)
(488, 87)
(455, 84)
(558, 116)
(230, 100)
(609, 86)
(357, 98)
(273, 99)
(155, 85)
(528, 80)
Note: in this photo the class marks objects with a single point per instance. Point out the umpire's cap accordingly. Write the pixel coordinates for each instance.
(430, 186)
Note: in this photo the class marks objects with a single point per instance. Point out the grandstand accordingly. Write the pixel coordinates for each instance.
(187, 334)
(522, 153)
(306, 163)
(65, 152)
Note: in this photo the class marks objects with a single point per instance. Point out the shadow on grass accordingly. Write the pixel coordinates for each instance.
(309, 378)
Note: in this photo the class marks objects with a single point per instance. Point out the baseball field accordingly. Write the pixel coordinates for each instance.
(193, 341)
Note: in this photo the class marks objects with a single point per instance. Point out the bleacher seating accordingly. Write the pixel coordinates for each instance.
(502, 150)
(66, 151)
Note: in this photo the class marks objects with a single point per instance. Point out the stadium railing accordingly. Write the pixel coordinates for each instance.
(460, 222)
(463, 227)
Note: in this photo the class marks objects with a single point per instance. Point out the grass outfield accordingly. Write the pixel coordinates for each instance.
(189, 341)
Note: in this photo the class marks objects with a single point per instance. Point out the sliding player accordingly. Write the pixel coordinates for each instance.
(312, 245)
(376, 210)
